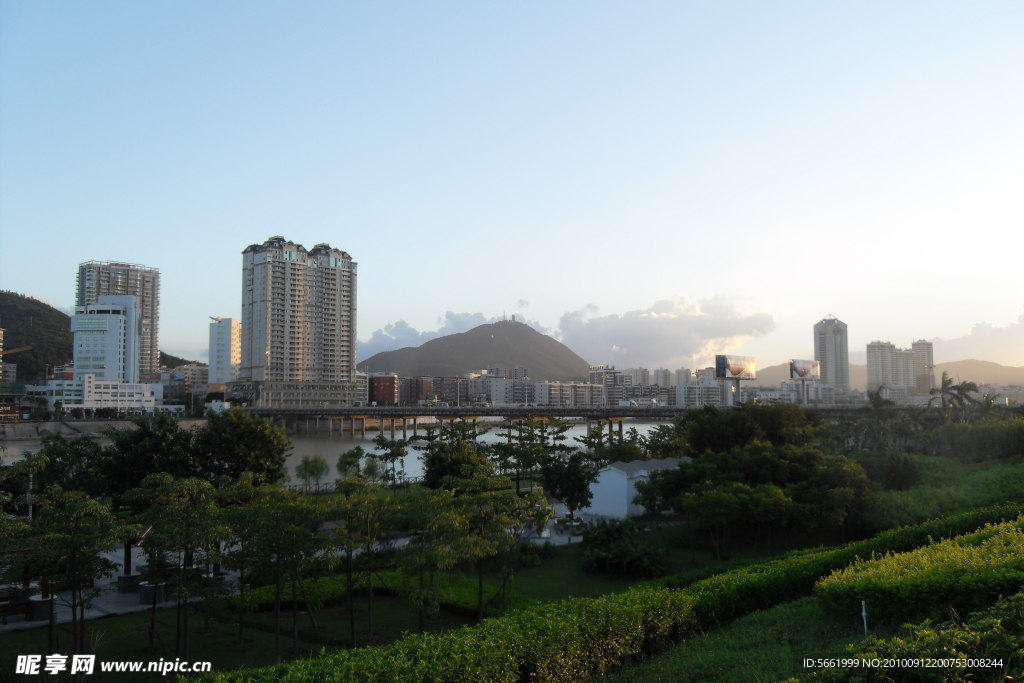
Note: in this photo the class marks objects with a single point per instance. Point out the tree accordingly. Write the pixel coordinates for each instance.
(312, 469)
(392, 453)
(187, 521)
(76, 529)
(445, 459)
(944, 392)
(962, 396)
(568, 479)
(235, 441)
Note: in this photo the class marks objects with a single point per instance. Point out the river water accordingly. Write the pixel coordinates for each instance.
(331, 446)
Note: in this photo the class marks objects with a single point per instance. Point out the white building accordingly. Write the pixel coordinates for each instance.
(615, 488)
(568, 394)
(491, 390)
(683, 376)
(700, 394)
(107, 339)
(662, 377)
(298, 313)
(831, 349)
(889, 366)
(97, 279)
(225, 350)
(91, 392)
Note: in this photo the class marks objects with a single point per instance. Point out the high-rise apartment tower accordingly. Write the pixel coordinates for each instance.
(831, 349)
(924, 366)
(107, 278)
(225, 350)
(298, 313)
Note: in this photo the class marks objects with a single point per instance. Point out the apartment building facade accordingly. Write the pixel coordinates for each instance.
(109, 278)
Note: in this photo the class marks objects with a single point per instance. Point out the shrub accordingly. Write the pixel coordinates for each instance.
(996, 634)
(893, 470)
(577, 639)
(617, 548)
(964, 574)
(459, 595)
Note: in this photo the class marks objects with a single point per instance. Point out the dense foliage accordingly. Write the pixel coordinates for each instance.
(618, 548)
(30, 322)
(996, 633)
(963, 574)
(574, 640)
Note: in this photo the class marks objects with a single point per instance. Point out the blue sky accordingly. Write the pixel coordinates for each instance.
(750, 167)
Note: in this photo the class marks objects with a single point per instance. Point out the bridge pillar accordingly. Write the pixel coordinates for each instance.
(362, 428)
(405, 432)
(330, 427)
(620, 431)
(415, 427)
(611, 432)
(474, 429)
(392, 429)
(317, 427)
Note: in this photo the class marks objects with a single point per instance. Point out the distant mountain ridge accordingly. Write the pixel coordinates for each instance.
(980, 371)
(506, 342)
(27, 321)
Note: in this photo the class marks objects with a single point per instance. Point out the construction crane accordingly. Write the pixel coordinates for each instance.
(20, 348)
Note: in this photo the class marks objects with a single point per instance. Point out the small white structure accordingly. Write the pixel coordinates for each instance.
(615, 487)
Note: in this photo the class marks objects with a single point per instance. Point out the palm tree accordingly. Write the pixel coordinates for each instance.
(987, 405)
(962, 396)
(943, 392)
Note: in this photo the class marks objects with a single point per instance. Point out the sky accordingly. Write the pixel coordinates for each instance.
(651, 183)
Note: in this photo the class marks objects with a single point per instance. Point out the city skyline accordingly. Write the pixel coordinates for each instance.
(664, 136)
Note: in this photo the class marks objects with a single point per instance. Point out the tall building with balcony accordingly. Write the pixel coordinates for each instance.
(831, 349)
(110, 278)
(298, 313)
(225, 351)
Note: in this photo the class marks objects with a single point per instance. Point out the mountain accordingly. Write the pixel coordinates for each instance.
(508, 343)
(980, 371)
(169, 361)
(30, 322)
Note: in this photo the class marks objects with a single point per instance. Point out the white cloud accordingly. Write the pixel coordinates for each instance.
(671, 333)
(1003, 345)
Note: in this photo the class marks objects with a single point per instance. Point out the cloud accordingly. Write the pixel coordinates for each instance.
(671, 333)
(1003, 345)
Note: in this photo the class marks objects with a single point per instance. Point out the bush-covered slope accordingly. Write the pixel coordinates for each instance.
(30, 322)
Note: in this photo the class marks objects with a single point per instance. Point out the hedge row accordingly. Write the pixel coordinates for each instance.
(994, 634)
(577, 639)
(457, 594)
(966, 574)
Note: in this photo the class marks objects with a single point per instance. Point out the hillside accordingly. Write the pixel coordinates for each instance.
(30, 322)
(169, 361)
(980, 371)
(775, 375)
(508, 343)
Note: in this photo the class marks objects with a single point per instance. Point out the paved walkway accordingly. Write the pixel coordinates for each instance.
(109, 600)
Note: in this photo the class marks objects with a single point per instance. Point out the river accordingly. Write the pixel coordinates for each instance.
(331, 446)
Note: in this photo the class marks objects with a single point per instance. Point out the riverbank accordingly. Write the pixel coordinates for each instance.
(30, 430)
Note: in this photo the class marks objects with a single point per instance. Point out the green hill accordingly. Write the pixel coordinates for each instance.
(508, 343)
(30, 322)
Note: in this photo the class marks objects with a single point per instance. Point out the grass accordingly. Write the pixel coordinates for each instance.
(764, 646)
(125, 637)
(948, 487)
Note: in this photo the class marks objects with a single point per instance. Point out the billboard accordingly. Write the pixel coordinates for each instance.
(735, 367)
(804, 369)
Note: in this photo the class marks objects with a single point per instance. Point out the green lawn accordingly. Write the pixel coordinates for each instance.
(763, 646)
